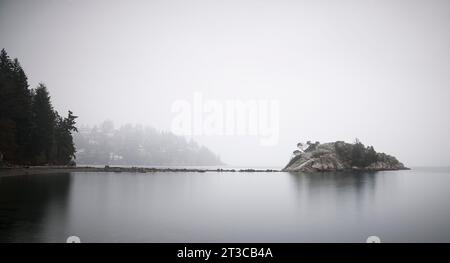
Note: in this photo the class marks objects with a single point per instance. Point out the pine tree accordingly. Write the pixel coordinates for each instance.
(358, 151)
(8, 143)
(65, 147)
(371, 156)
(44, 123)
(15, 110)
(22, 112)
(30, 130)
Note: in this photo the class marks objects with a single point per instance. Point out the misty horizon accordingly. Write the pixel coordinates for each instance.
(224, 129)
(377, 71)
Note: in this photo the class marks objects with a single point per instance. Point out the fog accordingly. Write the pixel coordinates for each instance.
(375, 70)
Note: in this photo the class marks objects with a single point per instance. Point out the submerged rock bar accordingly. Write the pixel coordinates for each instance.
(24, 170)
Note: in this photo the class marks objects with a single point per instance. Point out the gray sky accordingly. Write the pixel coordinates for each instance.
(376, 70)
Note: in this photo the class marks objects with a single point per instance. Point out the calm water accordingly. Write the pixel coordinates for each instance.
(400, 206)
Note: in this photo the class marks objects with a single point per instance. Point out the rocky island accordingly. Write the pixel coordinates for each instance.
(340, 156)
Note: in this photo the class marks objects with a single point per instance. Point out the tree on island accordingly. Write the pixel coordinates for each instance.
(356, 154)
(361, 155)
(31, 132)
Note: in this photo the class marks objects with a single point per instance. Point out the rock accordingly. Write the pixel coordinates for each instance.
(339, 156)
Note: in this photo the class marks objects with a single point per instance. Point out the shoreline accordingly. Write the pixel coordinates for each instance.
(32, 170)
(36, 170)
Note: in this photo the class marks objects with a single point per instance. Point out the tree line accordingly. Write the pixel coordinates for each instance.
(138, 145)
(31, 131)
(357, 153)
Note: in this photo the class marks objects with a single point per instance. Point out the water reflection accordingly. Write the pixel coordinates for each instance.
(337, 186)
(227, 207)
(33, 208)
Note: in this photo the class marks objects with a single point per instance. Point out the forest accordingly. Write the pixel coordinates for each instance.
(31, 131)
(138, 145)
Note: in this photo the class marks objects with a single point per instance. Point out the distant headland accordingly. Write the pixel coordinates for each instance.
(340, 156)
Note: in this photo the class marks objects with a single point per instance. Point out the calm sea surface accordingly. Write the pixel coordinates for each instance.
(397, 206)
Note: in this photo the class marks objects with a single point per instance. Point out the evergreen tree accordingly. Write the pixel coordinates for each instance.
(362, 156)
(15, 109)
(44, 123)
(65, 147)
(371, 155)
(358, 154)
(30, 131)
(22, 112)
(8, 143)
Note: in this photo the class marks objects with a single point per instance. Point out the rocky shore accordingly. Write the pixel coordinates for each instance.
(340, 156)
(311, 157)
(28, 170)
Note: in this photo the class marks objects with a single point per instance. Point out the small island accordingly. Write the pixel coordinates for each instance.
(340, 156)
